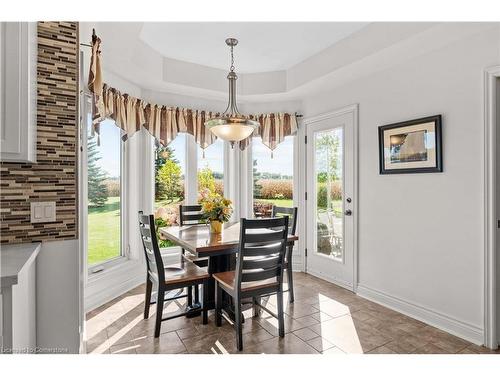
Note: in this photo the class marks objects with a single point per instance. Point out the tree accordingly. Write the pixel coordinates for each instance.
(169, 177)
(256, 176)
(98, 193)
(206, 180)
(163, 154)
(328, 147)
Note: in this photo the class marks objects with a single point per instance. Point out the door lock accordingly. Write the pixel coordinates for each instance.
(347, 212)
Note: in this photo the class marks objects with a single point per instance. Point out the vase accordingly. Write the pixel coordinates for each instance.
(215, 226)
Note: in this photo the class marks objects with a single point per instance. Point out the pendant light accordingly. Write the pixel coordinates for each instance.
(231, 126)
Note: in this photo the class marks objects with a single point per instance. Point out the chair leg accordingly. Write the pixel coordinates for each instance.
(159, 311)
(289, 274)
(281, 318)
(218, 304)
(147, 297)
(256, 308)
(204, 302)
(196, 294)
(238, 324)
(189, 296)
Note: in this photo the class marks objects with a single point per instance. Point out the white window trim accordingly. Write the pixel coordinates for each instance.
(299, 189)
(101, 267)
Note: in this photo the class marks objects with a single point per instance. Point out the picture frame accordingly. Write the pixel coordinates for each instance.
(413, 146)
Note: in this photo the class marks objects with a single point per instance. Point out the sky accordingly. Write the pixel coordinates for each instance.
(282, 161)
(110, 148)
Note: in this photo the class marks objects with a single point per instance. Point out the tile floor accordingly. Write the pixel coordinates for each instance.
(324, 319)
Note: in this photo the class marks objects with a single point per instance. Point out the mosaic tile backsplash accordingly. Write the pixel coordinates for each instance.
(54, 176)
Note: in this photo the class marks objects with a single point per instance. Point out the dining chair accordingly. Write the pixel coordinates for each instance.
(165, 279)
(258, 273)
(192, 215)
(291, 212)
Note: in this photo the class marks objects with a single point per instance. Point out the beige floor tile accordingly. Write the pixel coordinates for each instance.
(382, 350)
(320, 344)
(128, 348)
(324, 318)
(167, 343)
(290, 344)
(305, 334)
(333, 350)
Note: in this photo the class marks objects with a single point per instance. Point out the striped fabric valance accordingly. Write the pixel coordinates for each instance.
(163, 122)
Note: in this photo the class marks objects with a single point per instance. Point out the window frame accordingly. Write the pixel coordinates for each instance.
(97, 268)
(295, 176)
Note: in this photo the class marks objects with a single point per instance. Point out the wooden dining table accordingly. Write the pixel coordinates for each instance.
(219, 248)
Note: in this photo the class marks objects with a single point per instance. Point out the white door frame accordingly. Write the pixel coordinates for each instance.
(353, 109)
(490, 214)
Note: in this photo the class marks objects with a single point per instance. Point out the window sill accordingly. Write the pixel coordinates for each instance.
(102, 287)
(107, 265)
(120, 266)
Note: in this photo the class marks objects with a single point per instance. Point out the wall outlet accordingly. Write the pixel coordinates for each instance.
(43, 212)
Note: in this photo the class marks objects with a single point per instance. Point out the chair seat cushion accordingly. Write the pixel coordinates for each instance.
(184, 272)
(227, 279)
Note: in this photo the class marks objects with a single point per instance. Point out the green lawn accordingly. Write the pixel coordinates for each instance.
(168, 203)
(277, 202)
(104, 231)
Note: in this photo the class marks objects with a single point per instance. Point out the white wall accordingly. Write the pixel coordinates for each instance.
(498, 204)
(421, 235)
(57, 296)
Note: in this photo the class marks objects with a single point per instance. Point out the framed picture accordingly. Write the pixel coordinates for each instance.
(411, 146)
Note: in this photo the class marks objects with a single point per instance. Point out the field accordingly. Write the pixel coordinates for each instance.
(104, 231)
(277, 202)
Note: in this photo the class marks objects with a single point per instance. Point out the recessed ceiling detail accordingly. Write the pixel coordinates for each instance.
(264, 47)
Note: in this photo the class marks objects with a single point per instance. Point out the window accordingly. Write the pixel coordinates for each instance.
(329, 161)
(104, 175)
(272, 176)
(211, 168)
(170, 172)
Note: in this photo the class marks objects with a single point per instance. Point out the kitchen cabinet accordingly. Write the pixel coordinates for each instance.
(18, 91)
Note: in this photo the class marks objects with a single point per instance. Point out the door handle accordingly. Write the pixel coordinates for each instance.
(347, 212)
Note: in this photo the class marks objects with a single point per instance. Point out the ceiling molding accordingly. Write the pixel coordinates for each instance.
(373, 48)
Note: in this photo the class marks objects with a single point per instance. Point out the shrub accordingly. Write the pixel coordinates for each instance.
(276, 189)
(335, 192)
(113, 187)
(219, 187)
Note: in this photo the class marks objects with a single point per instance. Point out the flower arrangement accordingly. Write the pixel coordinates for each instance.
(217, 210)
(165, 217)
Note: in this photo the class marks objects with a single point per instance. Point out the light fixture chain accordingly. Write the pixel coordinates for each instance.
(232, 60)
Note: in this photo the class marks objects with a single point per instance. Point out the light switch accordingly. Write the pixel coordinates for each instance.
(38, 212)
(43, 212)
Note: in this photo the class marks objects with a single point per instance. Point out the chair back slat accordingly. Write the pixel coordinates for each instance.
(262, 249)
(154, 261)
(262, 238)
(260, 262)
(260, 275)
(291, 212)
(191, 215)
(256, 250)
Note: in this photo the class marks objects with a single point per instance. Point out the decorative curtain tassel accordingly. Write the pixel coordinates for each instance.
(98, 139)
(203, 153)
(272, 156)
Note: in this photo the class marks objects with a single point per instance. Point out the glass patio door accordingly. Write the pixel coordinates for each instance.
(330, 206)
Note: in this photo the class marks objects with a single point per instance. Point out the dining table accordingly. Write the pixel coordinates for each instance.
(220, 248)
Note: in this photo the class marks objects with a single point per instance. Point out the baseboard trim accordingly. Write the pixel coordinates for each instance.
(331, 280)
(446, 323)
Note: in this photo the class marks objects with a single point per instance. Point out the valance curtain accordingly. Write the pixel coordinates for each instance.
(163, 122)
